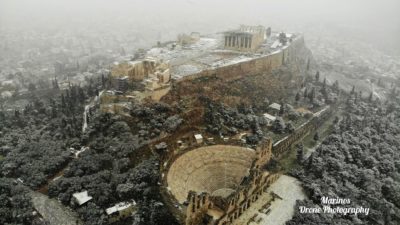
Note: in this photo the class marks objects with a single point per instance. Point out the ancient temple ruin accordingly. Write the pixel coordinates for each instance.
(246, 38)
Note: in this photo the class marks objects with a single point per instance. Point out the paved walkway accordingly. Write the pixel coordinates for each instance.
(282, 210)
(53, 211)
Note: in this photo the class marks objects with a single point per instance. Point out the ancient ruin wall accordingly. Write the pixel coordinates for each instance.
(265, 64)
(284, 145)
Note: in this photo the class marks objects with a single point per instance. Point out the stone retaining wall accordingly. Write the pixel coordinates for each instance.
(264, 64)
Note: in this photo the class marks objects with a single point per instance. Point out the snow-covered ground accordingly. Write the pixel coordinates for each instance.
(206, 53)
(282, 210)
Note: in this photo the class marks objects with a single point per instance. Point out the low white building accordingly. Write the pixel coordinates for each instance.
(270, 118)
(81, 197)
(121, 210)
(199, 138)
(275, 106)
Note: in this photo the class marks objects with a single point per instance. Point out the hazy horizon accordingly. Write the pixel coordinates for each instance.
(377, 22)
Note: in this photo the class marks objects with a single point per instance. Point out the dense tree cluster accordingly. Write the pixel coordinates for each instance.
(106, 171)
(150, 121)
(108, 187)
(223, 120)
(15, 204)
(360, 161)
(36, 141)
(317, 93)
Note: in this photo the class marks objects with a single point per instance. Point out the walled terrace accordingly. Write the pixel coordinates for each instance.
(209, 53)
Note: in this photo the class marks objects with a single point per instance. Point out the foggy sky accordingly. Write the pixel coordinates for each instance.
(377, 21)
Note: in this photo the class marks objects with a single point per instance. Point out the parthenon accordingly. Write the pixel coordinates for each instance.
(246, 38)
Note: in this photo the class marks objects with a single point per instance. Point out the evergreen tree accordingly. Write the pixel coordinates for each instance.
(300, 152)
(279, 125)
(16, 113)
(316, 136)
(289, 127)
(281, 109)
(55, 84)
(103, 80)
(312, 95)
(63, 104)
(31, 87)
(297, 97)
(336, 86)
(53, 112)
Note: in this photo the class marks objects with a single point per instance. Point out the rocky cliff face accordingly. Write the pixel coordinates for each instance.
(270, 77)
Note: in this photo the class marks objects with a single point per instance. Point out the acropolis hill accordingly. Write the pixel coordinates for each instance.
(174, 113)
(220, 181)
(249, 50)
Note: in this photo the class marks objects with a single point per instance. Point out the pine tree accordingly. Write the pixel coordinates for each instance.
(316, 136)
(53, 112)
(300, 152)
(336, 86)
(63, 105)
(312, 95)
(353, 90)
(317, 76)
(16, 113)
(310, 161)
(55, 84)
(103, 81)
(297, 97)
(281, 109)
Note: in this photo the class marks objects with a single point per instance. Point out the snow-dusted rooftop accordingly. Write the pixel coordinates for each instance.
(119, 207)
(269, 117)
(275, 106)
(82, 197)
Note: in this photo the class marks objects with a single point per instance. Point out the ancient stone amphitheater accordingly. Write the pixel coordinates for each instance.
(216, 169)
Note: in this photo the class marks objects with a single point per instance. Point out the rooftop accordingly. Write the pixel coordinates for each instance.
(82, 197)
(275, 106)
(198, 136)
(119, 207)
(269, 117)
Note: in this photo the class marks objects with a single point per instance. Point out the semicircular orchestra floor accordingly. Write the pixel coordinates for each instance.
(216, 169)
